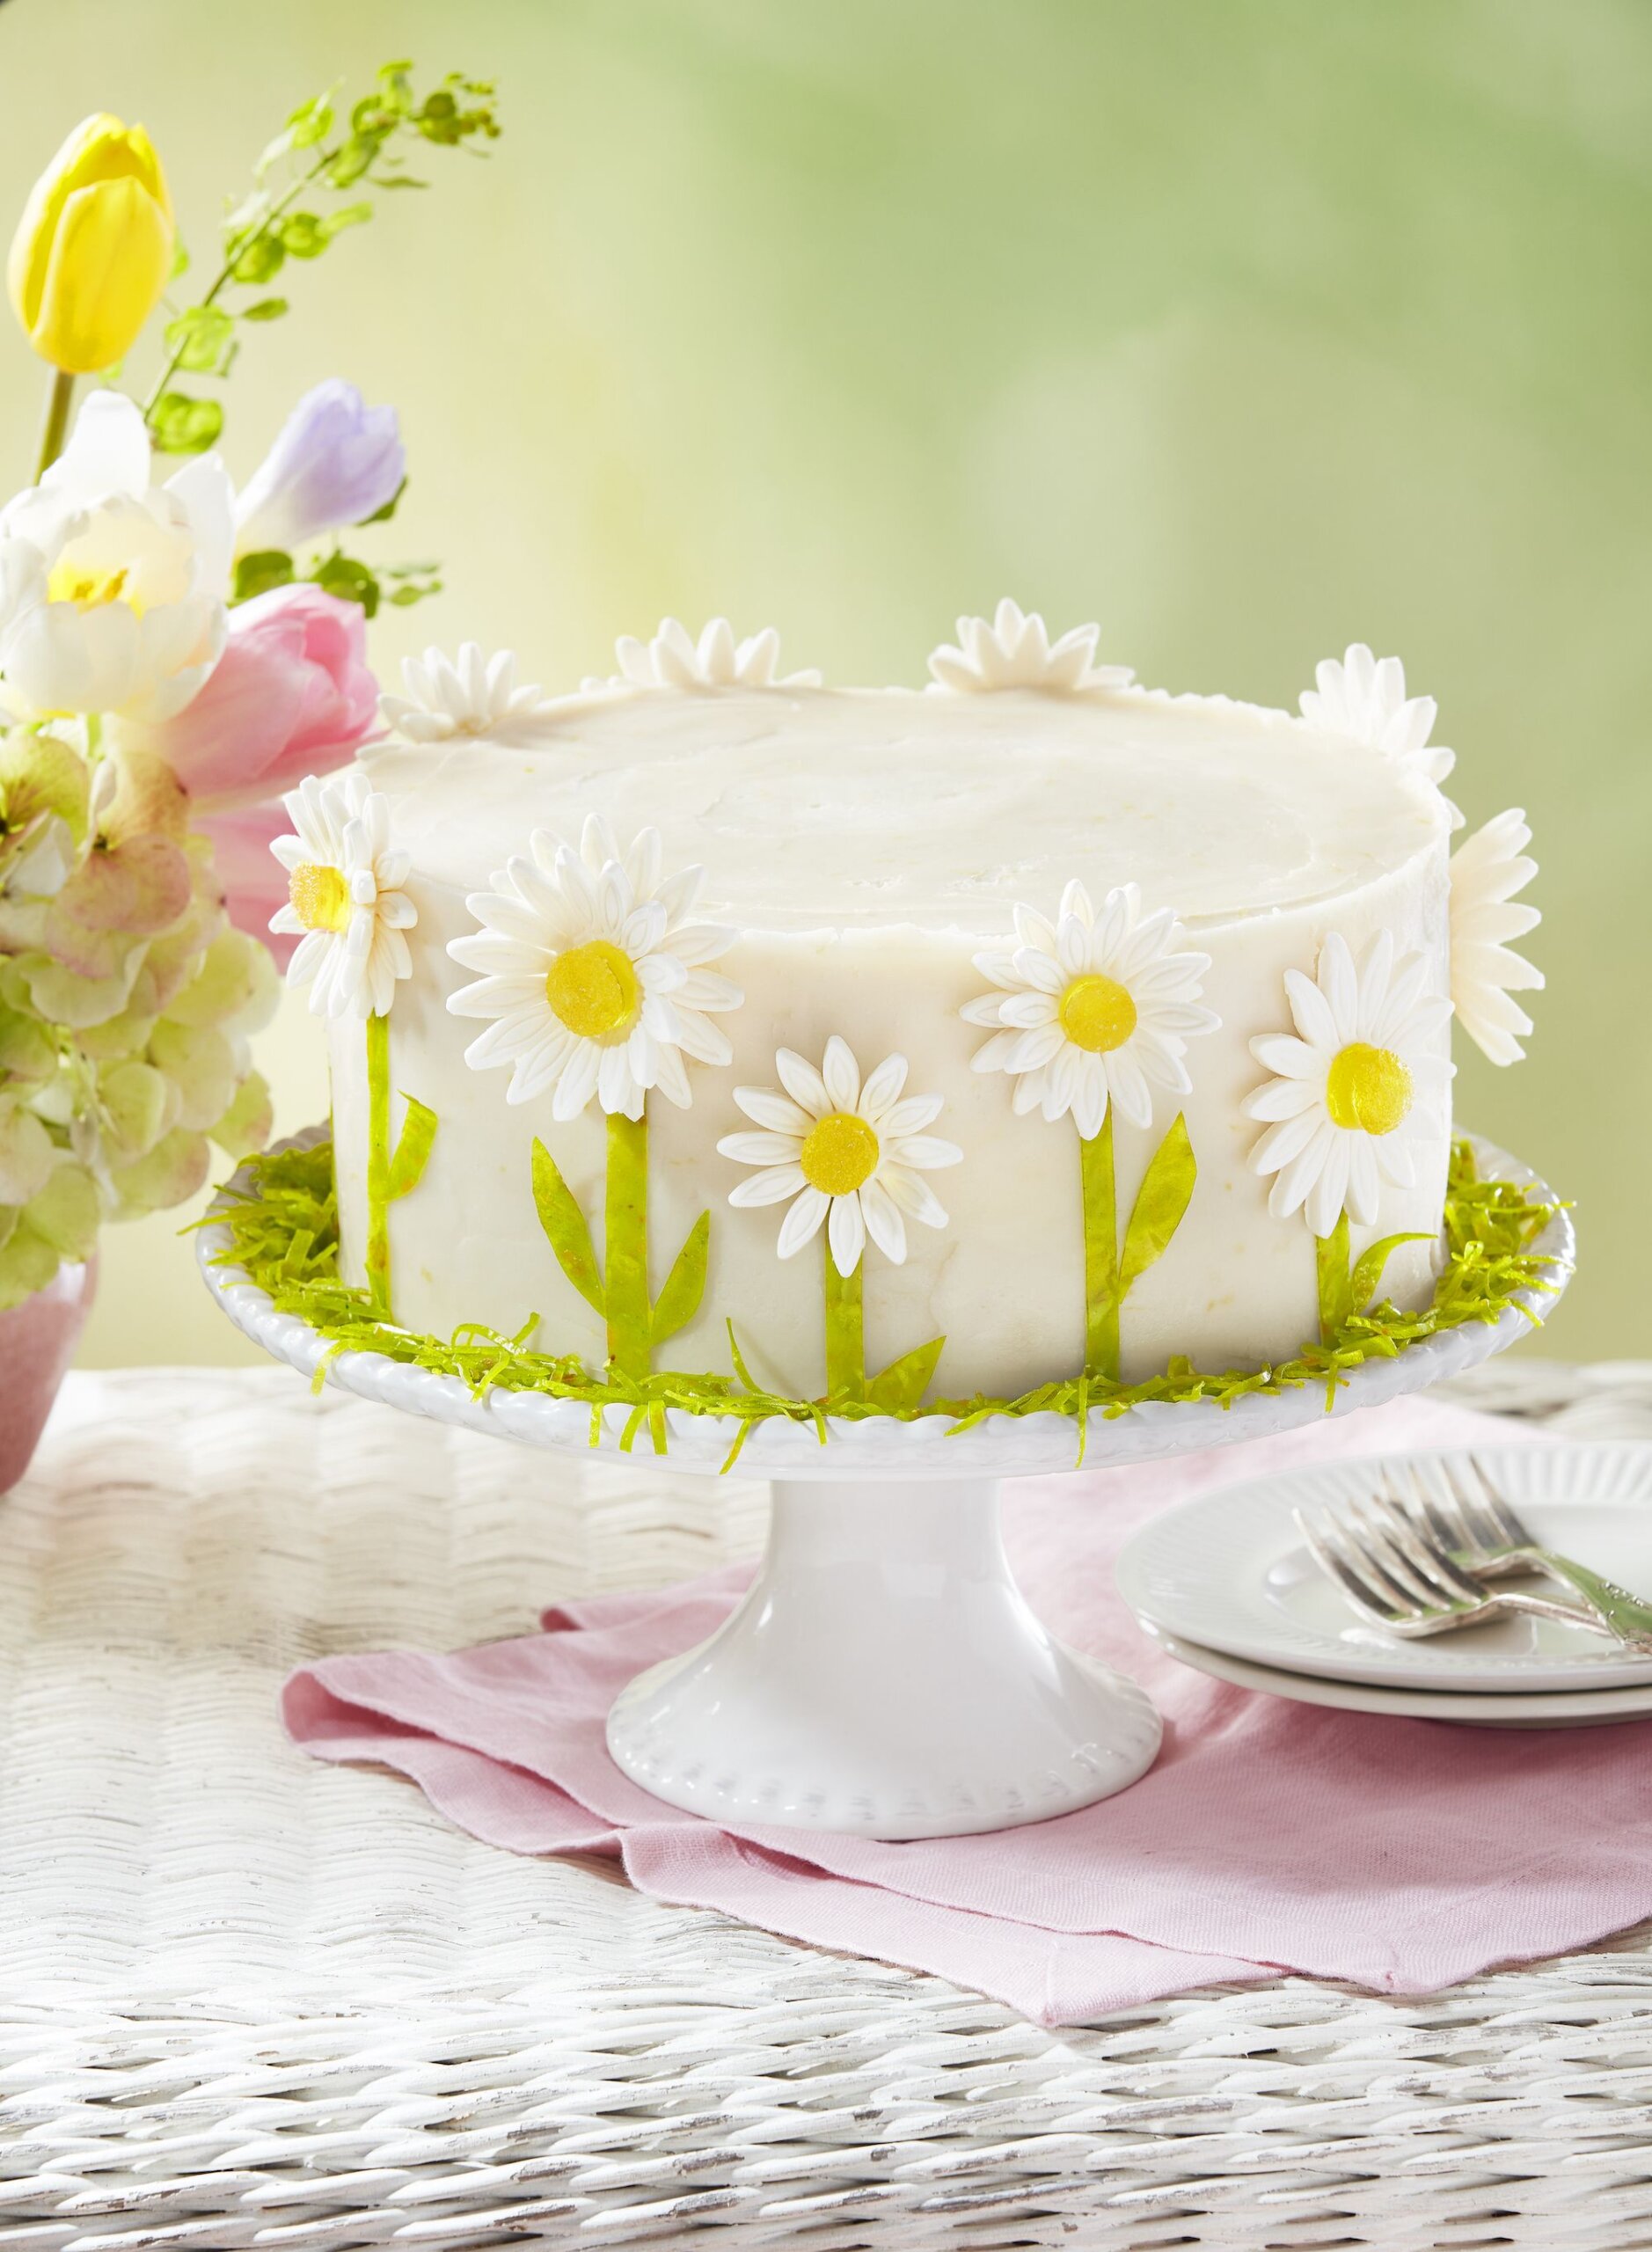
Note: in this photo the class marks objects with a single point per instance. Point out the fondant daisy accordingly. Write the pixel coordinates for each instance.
(1353, 1086)
(1365, 698)
(1486, 871)
(1013, 650)
(345, 903)
(473, 696)
(837, 1147)
(593, 976)
(673, 659)
(1090, 1010)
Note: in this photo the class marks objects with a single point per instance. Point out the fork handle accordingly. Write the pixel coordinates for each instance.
(1618, 1612)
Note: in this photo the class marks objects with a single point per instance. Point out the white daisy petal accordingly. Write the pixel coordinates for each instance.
(771, 1187)
(847, 1233)
(884, 1221)
(802, 1224)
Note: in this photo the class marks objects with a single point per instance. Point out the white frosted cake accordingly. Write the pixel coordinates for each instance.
(1170, 978)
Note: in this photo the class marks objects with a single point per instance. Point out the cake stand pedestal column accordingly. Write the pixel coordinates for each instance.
(883, 1676)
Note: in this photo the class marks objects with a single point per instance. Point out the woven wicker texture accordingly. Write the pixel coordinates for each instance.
(247, 1999)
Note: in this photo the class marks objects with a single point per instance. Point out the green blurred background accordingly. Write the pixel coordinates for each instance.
(1250, 328)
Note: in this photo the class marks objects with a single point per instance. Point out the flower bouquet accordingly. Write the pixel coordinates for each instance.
(173, 656)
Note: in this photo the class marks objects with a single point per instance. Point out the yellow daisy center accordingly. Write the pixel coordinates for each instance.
(1367, 1087)
(1097, 1014)
(593, 991)
(90, 589)
(321, 897)
(840, 1153)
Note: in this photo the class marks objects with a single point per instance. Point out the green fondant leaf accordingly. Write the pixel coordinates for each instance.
(565, 1228)
(1163, 1198)
(1331, 1261)
(904, 1382)
(413, 1149)
(679, 1301)
(1369, 1272)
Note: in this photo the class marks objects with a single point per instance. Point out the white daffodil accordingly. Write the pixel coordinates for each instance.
(1353, 1087)
(835, 1146)
(1092, 1009)
(1013, 650)
(1365, 699)
(470, 696)
(345, 902)
(113, 590)
(593, 975)
(673, 659)
(1486, 871)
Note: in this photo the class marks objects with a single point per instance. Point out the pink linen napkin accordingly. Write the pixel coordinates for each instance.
(1398, 1854)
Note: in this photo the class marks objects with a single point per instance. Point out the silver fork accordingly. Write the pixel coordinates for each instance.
(1474, 1522)
(1384, 1557)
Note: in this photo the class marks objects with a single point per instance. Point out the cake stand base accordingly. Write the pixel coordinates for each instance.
(884, 1677)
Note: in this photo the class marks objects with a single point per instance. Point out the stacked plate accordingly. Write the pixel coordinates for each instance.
(1225, 1583)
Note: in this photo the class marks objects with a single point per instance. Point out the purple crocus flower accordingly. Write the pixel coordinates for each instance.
(337, 460)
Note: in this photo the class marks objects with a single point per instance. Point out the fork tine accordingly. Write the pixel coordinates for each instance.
(1443, 1519)
(1384, 1601)
(1442, 1565)
(1487, 1535)
(1502, 1515)
(1363, 1548)
(1444, 1505)
(1389, 1556)
(1330, 1563)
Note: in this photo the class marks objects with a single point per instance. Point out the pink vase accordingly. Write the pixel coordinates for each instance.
(37, 1343)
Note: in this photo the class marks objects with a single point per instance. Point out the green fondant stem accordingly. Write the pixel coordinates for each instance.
(378, 1159)
(1330, 1256)
(1101, 1252)
(845, 1341)
(625, 1245)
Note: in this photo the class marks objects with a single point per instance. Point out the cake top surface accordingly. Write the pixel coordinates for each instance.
(853, 808)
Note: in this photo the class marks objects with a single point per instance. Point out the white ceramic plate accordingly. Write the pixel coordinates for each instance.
(1559, 1708)
(1228, 1571)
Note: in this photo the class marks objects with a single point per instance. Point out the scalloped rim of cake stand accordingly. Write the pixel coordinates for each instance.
(1003, 1446)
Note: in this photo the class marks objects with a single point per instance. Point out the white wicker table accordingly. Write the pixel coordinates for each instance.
(248, 2000)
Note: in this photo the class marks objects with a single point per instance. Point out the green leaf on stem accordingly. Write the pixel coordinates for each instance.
(1331, 1264)
(905, 1381)
(199, 339)
(1368, 1273)
(1161, 1202)
(303, 234)
(260, 259)
(350, 581)
(265, 308)
(679, 1301)
(566, 1230)
(182, 425)
(413, 1149)
(257, 573)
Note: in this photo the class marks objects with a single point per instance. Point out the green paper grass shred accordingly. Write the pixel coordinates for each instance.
(284, 1233)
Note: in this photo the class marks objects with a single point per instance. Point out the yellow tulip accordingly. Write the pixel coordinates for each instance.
(93, 249)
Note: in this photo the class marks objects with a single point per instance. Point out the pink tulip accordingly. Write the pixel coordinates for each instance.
(252, 881)
(290, 696)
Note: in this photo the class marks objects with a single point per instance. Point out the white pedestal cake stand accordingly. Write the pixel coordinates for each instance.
(884, 1675)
